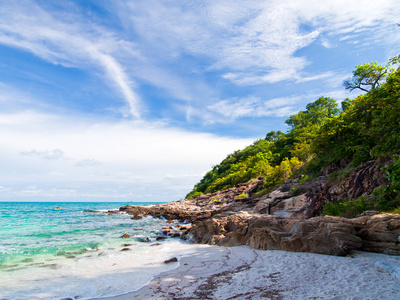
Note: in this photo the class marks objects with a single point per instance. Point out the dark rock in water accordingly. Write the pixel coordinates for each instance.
(156, 244)
(113, 212)
(176, 234)
(136, 217)
(125, 249)
(170, 222)
(145, 240)
(125, 235)
(160, 238)
(171, 260)
(91, 211)
(127, 245)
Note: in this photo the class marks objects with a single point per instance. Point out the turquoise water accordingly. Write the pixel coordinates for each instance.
(30, 229)
(49, 254)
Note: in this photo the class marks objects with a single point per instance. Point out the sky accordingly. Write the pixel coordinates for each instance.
(135, 100)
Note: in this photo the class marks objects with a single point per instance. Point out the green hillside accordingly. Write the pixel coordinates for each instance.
(364, 128)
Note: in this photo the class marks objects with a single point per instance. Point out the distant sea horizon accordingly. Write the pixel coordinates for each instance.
(52, 250)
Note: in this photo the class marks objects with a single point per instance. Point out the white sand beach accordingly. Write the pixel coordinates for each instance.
(243, 273)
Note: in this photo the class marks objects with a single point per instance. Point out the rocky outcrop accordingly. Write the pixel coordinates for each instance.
(202, 206)
(379, 233)
(324, 235)
(318, 235)
(288, 218)
(361, 181)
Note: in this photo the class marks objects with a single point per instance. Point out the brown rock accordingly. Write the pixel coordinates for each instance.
(160, 238)
(171, 260)
(322, 235)
(170, 221)
(137, 217)
(125, 235)
(125, 249)
(156, 244)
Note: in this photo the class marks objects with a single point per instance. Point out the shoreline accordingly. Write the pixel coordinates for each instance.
(216, 272)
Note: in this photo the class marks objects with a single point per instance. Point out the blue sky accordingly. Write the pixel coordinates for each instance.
(135, 100)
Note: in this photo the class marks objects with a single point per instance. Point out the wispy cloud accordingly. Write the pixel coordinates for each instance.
(66, 39)
(45, 154)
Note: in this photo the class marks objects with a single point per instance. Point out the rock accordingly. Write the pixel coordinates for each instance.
(113, 212)
(379, 233)
(127, 245)
(160, 238)
(156, 244)
(322, 235)
(125, 249)
(91, 211)
(171, 260)
(125, 235)
(175, 235)
(145, 240)
(288, 218)
(136, 217)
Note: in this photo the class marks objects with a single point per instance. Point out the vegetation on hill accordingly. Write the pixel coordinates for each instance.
(364, 128)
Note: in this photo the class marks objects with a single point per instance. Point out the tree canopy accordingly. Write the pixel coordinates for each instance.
(365, 127)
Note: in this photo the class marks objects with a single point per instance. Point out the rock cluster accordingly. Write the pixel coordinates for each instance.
(287, 218)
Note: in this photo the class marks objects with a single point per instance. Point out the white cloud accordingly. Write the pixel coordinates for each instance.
(46, 154)
(133, 154)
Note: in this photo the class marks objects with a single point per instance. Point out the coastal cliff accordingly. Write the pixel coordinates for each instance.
(286, 219)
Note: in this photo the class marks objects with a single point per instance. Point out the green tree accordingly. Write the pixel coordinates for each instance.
(369, 76)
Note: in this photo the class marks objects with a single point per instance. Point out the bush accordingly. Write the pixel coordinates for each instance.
(347, 209)
(241, 196)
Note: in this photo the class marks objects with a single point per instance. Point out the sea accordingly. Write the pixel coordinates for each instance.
(56, 250)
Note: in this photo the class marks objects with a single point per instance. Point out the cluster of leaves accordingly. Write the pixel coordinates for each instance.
(364, 128)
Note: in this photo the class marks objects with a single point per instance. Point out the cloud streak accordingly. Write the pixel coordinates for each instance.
(67, 40)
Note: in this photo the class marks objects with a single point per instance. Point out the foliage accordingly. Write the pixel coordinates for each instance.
(369, 76)
(348, 209)
(364, 128)
(242, 196)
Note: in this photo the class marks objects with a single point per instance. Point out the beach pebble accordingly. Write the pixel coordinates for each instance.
(171, 260)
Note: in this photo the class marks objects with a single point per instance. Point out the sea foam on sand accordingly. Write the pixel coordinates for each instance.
(243, 273)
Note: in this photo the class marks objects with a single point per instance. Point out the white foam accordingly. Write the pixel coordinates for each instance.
(95, 274)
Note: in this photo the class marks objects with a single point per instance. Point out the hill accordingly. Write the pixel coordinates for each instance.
(330, 140)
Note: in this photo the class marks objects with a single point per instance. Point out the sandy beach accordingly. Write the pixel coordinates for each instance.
(243, 273)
